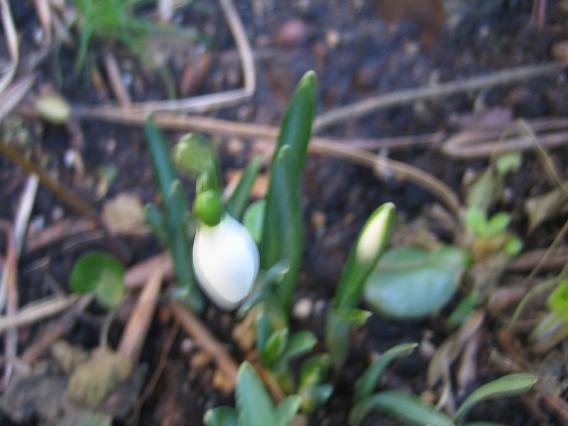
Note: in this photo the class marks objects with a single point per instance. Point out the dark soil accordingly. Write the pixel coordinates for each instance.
(356, 53)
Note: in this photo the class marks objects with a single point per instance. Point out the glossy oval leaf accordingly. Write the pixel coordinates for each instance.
(221, 416)
(512, 384)
(411, 282)
(100, 273)
(254, 405)
(402, 406)
(371, 377)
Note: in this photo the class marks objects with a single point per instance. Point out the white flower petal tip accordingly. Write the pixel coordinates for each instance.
(225, 260)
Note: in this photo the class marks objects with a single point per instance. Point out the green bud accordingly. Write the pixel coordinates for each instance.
(208, 207)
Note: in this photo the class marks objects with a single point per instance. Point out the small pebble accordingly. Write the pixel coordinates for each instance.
(187, 345)
(303, 309)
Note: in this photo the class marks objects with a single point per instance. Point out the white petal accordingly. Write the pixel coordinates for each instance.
(225, 260)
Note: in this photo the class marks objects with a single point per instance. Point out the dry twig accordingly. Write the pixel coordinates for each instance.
(116, 83)
(384, 166)
(11, 36)
(402, 97)
(137, 327)
(206, 341)
(37, 311)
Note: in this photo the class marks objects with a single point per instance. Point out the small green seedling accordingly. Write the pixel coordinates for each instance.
(170, 223)
(552, 328)
(412, 410)
(365, 254)
(115, 21)
(101, 274)
(254, 406)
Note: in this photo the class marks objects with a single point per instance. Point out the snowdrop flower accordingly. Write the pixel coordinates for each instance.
(225, 260)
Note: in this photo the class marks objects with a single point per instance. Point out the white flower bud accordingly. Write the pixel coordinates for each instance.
(225, 260)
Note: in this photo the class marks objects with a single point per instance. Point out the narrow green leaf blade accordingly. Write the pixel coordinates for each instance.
(160, 155)
(253, 403)
(405, 407)
(314, 370)
(221, 416)
(283, 229)
(238, 200)
(300, 343)
(512, 384)
(369, 380)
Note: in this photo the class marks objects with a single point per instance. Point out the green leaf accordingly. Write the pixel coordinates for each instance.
(253, 403)
(314, 370)
(484, 191)
(512, 384)
(411, 282)
(407, 408)
(160, 155)
(300, 343)
(465, 307)
(221, 416)
(558, 300)
(100, 273)
(369, 380)
(274, 346)
(370, 246)
(497, 224)
(475, 220)
(353, 317)
(283, 229)
(286, 410)
(365, 254)
(180, 249)
(254, 219)
(314, 396)
(510, 162)
(264, 281)
(238, 200)
(155, 219)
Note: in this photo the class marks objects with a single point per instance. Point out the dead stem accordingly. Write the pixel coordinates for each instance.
(37, 311)
(136, 330)
(206, 341)
(116, 83)
(10, 289)
(402, 97)
(55, 331)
